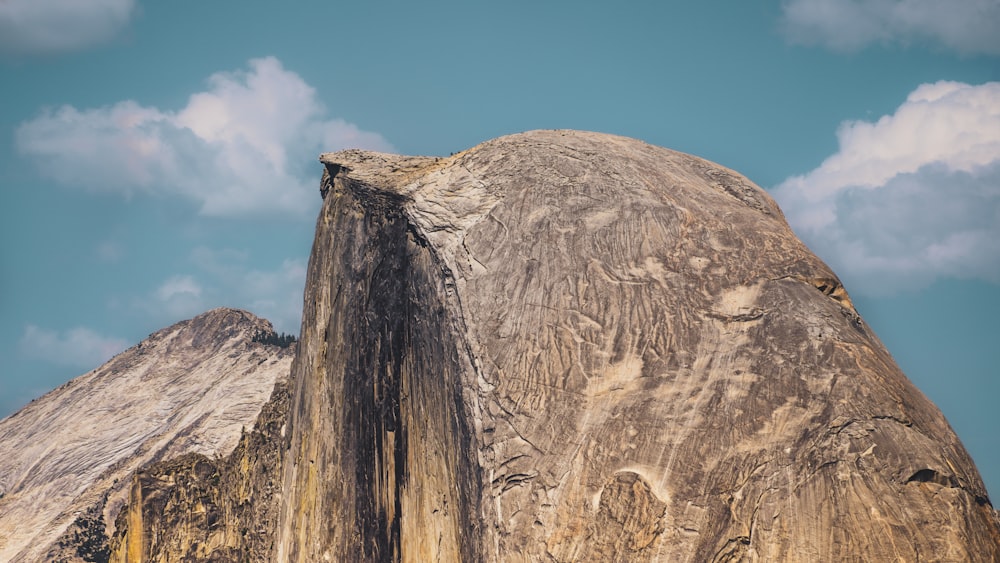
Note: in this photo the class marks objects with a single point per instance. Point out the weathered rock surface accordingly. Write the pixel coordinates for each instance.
(199, 508)
(566, 346)
(67, 459)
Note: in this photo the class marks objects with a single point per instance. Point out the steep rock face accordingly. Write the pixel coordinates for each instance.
(565, 346)
(383, 459)
(198, 508)
(67, 459)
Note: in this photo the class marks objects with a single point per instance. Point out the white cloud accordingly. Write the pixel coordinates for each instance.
(275, 294)
(78, 347)
(179, 297)
(178, 286)
(225, 279)
(966, 26)
(110, 251)
(53, 26)
(912, 197)
(242, 147)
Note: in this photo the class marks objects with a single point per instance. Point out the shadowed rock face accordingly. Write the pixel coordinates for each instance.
(67, 459)
(566, 346)
(383, 459)
(198, 508)
(571, 346)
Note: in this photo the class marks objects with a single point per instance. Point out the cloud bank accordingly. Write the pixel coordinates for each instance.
(79, 347)
(965, 26)
(34, 27)
(910, 198)
(244, 146)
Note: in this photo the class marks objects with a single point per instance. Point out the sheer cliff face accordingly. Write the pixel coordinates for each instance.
(67, 459)
(565, 346)
(382, 460)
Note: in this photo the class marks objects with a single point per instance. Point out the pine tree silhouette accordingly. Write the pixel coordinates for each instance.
(273, 338)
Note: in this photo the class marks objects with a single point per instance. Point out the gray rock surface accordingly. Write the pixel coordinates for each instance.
(566, 346)
(67, 459)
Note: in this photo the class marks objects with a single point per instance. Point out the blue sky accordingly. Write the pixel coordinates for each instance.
(159, 158)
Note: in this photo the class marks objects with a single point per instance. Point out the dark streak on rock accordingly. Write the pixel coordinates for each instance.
(392, 371)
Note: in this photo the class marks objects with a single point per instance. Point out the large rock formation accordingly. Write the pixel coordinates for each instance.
(575, 347)
(565, 346)
(67, 459)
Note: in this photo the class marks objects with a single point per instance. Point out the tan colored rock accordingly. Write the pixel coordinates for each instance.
(199, 508)
(566, 346)
(67, 459)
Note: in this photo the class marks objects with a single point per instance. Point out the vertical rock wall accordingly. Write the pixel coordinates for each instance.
(381, 465)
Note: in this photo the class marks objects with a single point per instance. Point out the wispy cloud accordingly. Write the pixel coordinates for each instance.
(110, 251)
(78, 347)
(179, 297)
(275, 293)
(31, 27)
(225, 278)
(244, 146)
(965, 26)
(910, 198)
(178, 285)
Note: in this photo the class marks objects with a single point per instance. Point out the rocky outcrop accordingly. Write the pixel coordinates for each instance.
(199, 508)
(67, 459)
(566, 346)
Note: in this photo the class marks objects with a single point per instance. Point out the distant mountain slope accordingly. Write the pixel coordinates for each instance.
(189, 388)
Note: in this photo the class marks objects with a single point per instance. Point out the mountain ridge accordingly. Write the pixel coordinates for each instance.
(190, 387)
